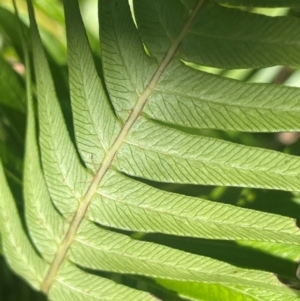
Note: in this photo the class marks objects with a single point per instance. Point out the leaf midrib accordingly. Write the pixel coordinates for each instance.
(110, 155)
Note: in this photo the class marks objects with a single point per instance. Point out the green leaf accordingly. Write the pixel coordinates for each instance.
(285, 251)
(73, 284)
(214, 33)
(204, 100)
(66, 178)
(162, 154)
(216, 292)
(12, 164)
(15, 244)
(96, 127)
(209, 101)
(11, 88)
(213, 39)
(97, 248)
(44, 222)
(127, 71)
(85, 199)
(10, 31)
(127, 204)
(261, 3)
(12, 107)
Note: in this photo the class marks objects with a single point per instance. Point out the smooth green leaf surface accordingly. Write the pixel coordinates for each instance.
(12, 164)
(213, 292)
(9, 30)
(285, 251)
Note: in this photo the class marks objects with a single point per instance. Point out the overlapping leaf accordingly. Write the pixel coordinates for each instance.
(218, 36)
(183, 96)
(216, 292)
(200, 100)
(261, 3)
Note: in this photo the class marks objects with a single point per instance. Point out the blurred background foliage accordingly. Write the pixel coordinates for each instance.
(50, 18)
